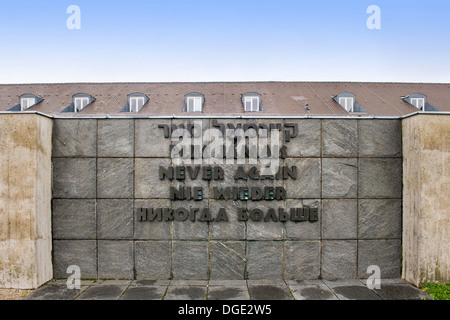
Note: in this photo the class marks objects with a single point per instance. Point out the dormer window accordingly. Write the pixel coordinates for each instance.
(25, 103)
(135, 102)
(251, 102)
(347, 103)
(347, 100)
(79, 102)
(194, 102)
(419, 101)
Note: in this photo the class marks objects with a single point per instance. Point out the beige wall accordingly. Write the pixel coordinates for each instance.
(25, 200)
(426, 198)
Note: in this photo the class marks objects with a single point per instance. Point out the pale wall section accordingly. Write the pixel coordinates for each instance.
(25, 200)
(426, 198)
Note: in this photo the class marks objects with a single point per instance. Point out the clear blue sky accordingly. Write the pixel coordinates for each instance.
(224, 40)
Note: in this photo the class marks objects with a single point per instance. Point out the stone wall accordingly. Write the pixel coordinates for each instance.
(25, 200)
(106, 169)
(426, 226)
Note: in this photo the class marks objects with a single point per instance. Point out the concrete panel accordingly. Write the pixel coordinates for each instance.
(426, 181)
(25, 200)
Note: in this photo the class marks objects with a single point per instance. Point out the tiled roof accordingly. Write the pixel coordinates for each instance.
(224, 98)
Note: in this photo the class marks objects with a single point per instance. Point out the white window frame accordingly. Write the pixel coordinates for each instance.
(139, 102)
(196, 104)
(348, 103)
(83, 101)
(251, 100)
(415, 103)
(26, 103)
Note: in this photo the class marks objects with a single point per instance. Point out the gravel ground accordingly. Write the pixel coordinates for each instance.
(13, 294)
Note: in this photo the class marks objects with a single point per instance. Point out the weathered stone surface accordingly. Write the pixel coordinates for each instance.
(147, 133)
(339, 138)
(190, 260)
(115, 219)
(228, 292)
(54, 293)
(146, 182)
(81, 253)
(74, 178)
(115, 177)
(227, 260)
(339, 259)
(269, 292)
(115, 259)
(380, 178)
(386, 254)
(380, 138)
(231, 230)
(354, 290)
(186, 293)
(112, 292)
(303, 230)
(144, 293)
(339, 178)
(116, 138)
(339, 219)
(380, 218)
(301, 260)
(153, 260)
(307, 142)
(25, 200)
(74, 138)
(191, 230)
(426, 182)
(307, 184)
(262, 230)
(311, 290)
(264, 260)
(74, 219)
(152, 230)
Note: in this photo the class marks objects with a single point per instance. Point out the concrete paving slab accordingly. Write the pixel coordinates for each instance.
(63, 282)
(183, 292)
(269, 292)
(102, 292)
(228, 293)
(54, 292)
(144, 293)
(351, 290)
(311, 290)
(150, 283)
(227, 283)
(397, 291)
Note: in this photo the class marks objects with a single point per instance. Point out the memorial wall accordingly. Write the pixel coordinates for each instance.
(227, 198)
